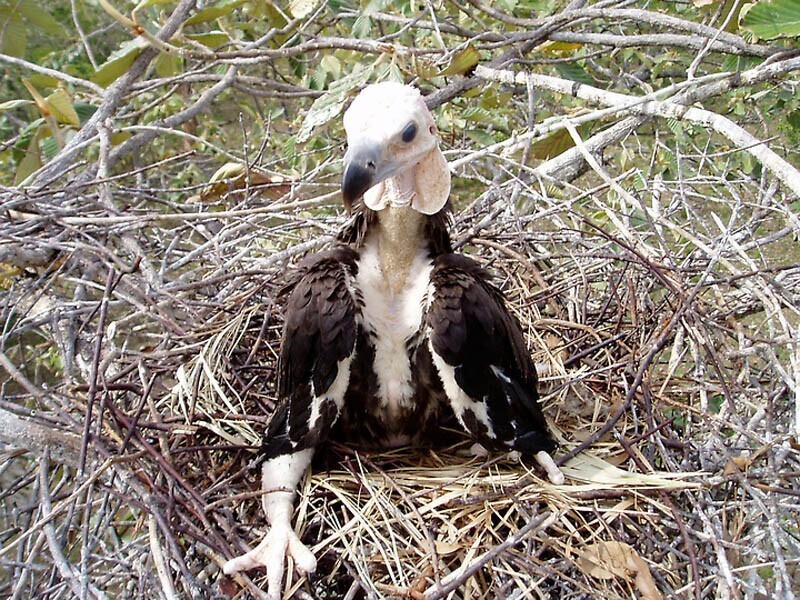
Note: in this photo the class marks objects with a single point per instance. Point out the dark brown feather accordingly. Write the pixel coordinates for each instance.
(319, 332)
(472, 331)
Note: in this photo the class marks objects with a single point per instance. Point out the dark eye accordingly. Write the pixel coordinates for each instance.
(409, 132)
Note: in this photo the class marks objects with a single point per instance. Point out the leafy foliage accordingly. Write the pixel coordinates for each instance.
(770, 19)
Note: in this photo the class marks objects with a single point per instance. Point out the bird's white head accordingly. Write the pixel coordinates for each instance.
(393, 155)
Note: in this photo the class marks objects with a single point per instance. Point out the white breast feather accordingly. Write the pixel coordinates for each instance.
(393, 318)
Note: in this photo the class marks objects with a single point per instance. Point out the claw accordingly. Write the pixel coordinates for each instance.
(478, 450)
(271, 554)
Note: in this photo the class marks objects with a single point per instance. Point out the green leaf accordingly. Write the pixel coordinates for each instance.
(329, 105)
(302, 8)
(210, 39)
(362, 27)
(146, 3)
(476, 114)
(33, 12)
(770, 19)
(43, 81)
(85, 111)
(119, 61)
(462, 61)
(211, 13)
(574, 72)
(331, 64)
(61, 108)
(31, 162)
(12, 104)
(552, 145)
(13, 37)
(480, 137)
(49, 147)
(168, 65)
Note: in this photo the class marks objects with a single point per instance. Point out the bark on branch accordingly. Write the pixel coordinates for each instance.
(651, 106)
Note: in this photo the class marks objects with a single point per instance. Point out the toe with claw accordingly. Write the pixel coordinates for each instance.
(271, 553)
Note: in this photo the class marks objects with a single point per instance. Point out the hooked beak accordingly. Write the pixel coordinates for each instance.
(364, 167)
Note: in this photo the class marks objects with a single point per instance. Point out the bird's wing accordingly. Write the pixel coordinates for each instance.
(318, 345)
(479, 351)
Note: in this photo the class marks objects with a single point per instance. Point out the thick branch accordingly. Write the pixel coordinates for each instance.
(64, 448)
(649, 106)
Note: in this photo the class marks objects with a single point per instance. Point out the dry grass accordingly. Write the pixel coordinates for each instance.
(665, 325)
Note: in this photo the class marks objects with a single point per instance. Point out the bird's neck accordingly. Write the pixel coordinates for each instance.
(399, 235)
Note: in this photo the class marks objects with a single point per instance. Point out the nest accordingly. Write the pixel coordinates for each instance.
(664, 332)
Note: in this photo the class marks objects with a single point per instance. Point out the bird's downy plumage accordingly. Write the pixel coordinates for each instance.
(390, 335)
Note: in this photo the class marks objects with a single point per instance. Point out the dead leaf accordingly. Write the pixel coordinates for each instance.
(737, 464)
(445, 548)
(232, 177)
(607, 560)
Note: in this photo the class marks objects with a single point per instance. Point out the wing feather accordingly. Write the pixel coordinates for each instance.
(480, 354)
(317, 348)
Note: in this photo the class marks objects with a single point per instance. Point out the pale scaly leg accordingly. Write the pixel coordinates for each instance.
(280, 477)
(546, 461)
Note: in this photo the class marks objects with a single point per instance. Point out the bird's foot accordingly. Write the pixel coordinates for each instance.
(478, 451)
(271, 553)
(546, 461)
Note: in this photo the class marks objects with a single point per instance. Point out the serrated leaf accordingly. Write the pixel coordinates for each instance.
(12, 104)
(329, 105)
(362, 26)
(210, 39)
(49, 147)
(639, 181)
(376, 6)
(318, 78)
(34, 13)
(735, 63)
(13, 36)
(119, 61)
(462, 61)
(480, 137)
(393, 73)
(61, 108)
(84, 110)
(675, 126)
(302, 8)
(770, 19)
(211, 13)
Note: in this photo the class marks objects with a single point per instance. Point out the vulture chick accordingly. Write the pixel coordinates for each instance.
(391, 334)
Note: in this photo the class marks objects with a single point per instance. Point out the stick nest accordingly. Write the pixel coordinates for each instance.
(664, 325)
